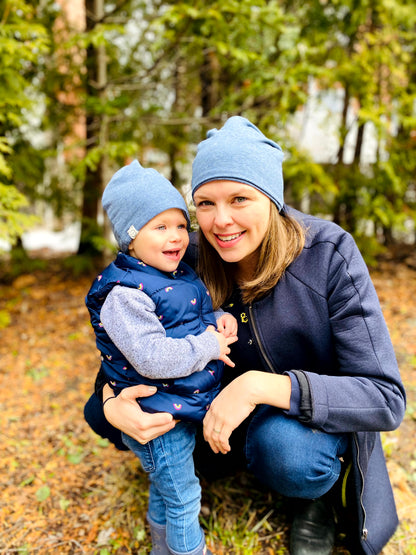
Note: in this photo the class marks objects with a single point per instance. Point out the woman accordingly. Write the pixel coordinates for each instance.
(315, 376)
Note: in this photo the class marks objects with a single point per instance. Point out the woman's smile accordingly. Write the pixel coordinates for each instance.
(230, 240)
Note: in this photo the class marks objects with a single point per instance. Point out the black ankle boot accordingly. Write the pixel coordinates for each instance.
(313, 529)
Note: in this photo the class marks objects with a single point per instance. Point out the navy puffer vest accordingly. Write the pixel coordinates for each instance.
(185, 398)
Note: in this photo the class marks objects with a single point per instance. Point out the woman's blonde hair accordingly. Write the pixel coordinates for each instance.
(282, 243)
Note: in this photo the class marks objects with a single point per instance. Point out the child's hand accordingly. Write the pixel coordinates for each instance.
(224, 348)
(227, 325)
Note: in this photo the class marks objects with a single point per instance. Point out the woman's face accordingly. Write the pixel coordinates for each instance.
(234, 218)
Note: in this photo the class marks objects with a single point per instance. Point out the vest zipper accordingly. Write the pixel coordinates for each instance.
(257, 336)
(364, 531)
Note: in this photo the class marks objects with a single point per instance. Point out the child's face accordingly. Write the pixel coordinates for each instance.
(162, 242)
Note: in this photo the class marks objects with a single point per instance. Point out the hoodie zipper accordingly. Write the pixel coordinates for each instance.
(259, 343)
(364, 531)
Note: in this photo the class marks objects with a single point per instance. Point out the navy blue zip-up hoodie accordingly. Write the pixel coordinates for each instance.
(183, 307)
(323, 323)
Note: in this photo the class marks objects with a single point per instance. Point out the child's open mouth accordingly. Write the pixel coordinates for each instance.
(173, 255)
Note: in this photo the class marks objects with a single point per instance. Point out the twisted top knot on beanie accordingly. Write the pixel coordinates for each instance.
(134, 196)
(240, 152)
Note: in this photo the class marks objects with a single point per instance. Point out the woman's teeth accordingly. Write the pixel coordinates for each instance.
(228, 237)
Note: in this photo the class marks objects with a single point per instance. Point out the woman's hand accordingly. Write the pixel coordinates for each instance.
(233, 404)
(124, 413)
(236, 401)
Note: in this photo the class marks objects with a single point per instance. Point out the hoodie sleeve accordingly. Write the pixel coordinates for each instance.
(367, 392)
(129, 319)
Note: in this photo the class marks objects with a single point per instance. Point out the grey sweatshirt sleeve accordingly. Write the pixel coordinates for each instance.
(129, 319)
(218, 313)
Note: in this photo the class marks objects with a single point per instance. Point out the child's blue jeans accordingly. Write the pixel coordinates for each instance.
(175, 493)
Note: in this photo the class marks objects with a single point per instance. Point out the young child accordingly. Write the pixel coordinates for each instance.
(154, 324)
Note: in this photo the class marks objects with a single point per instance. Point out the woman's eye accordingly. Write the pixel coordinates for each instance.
(204, 203)
(239, 200)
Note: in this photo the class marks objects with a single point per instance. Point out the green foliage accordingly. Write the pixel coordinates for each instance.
(368, 51)
(247, 525)
(247, 72)
(4, 319)
(43, 493)
(13, 222)
(151, 77)
(304, 177)
(22, 41)
(71, 450)
(81, 265)
(37, 374)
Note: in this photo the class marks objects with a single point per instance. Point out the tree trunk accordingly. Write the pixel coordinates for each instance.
(96, 135)
(343, 127)
(359, 144)
(208, 76)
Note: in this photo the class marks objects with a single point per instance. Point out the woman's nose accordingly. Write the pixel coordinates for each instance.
(222, 217)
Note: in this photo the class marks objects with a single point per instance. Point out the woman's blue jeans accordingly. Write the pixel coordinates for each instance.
(291, 458)
(175, 493)
(285, 455)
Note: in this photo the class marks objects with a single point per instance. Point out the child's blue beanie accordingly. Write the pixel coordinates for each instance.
(240, 152)
(134, 196)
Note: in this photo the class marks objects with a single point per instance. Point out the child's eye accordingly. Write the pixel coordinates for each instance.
(181, 226)
(161, 227)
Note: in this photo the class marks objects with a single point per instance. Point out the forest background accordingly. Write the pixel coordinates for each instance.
(88, 85)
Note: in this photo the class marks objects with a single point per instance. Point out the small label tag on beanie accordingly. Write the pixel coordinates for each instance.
(132, 232)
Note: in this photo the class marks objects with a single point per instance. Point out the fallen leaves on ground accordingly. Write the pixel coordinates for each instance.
(64, 490)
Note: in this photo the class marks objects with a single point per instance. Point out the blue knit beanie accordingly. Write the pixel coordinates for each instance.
(240, 152)
(134, 196)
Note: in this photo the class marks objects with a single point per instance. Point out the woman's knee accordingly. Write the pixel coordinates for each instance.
(291, 458)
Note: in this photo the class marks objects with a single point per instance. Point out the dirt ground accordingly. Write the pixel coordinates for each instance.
(63, 490)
